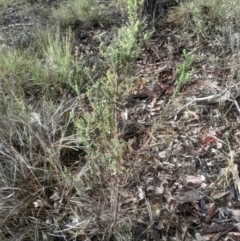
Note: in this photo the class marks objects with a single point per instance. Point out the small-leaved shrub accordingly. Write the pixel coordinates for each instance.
(183, 73)
(98, 129)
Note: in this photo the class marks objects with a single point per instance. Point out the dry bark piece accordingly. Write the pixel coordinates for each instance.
(217, 228)
(211, 212)
(190, 196)
(157, 190)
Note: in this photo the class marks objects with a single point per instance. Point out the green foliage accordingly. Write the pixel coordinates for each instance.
(183, 73)
(20, 63)
(63, 66)
(98, 130)
(18, 70)
(205, 19)
(57, 53)
(134, 5)
(38, 135)
(4, 3)
(77, 10)
(48, 70)
(125, 47)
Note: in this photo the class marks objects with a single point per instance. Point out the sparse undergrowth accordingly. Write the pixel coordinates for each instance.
(54, 152)
(92, 152)
(76, 10)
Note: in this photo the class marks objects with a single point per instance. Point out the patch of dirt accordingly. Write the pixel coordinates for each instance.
(18, 19)
(188, 157)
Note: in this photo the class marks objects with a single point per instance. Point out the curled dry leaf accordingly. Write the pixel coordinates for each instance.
(55, 196)
(155, 112)
(189, 112)
(156, 190)
(208, 139)
(162, 154)
(129, 200)
(38, 203)
(194, 181)
(142, 194)
(212, 210)
(153, 102)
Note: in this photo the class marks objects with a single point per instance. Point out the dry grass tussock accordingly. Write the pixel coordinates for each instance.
(208, 21)
(51, 186)
(48, 189)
